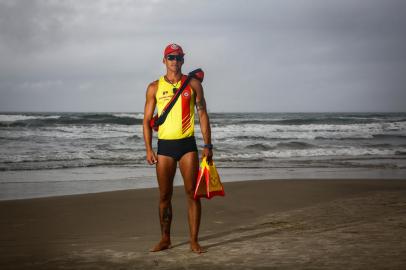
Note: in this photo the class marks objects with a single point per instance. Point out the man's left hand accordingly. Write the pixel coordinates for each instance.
(208, 153)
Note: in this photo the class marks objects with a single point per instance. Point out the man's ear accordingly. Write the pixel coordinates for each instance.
(163, 60)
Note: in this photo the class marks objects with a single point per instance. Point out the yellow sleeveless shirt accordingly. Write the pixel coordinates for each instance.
(179, 123)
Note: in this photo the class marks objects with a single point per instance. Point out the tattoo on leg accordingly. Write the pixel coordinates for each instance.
(166, 220)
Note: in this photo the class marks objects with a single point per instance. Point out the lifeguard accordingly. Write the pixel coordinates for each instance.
(176, 142)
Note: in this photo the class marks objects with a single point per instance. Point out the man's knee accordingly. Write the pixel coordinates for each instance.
(190, 193)
(165, 198)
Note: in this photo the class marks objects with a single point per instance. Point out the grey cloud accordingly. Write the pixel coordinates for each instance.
(258, 55)
(27, 26)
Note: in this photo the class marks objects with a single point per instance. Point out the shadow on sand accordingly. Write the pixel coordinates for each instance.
(235, 235)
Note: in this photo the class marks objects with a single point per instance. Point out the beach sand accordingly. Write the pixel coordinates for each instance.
(274, 224)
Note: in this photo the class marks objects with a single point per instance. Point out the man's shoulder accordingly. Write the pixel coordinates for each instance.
(194, 81)
(195, 84)
(153, 85)
(152, 88)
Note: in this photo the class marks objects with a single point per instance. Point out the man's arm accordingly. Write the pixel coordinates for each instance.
(149, 109)
(203, 117)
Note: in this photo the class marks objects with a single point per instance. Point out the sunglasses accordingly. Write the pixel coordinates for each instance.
(172, 57)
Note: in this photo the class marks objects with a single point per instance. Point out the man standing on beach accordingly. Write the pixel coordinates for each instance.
(176, 142)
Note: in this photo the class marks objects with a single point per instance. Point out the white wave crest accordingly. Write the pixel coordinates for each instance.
(21, 117)
(311, 132)
(131, 115)
(290, 153)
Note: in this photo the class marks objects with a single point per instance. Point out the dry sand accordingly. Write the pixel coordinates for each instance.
(276, 224)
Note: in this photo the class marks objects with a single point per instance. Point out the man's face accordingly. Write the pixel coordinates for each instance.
(173, 61)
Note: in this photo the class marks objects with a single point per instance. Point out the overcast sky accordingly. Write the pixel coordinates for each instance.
(258, 56)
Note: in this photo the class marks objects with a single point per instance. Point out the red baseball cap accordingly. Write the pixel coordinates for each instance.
(173, 48)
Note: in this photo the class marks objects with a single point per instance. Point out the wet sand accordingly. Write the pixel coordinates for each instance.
(275, 224)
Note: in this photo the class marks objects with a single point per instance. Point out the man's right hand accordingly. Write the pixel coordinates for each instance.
(152, 158)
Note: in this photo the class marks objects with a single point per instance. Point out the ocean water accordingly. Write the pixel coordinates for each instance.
(43, 142)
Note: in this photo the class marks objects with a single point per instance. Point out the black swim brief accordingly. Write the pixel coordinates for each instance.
(176, 148)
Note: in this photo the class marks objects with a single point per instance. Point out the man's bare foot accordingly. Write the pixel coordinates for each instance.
(196, 248)
(162, 245)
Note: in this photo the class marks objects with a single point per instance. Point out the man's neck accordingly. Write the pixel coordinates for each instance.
(173, 77)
